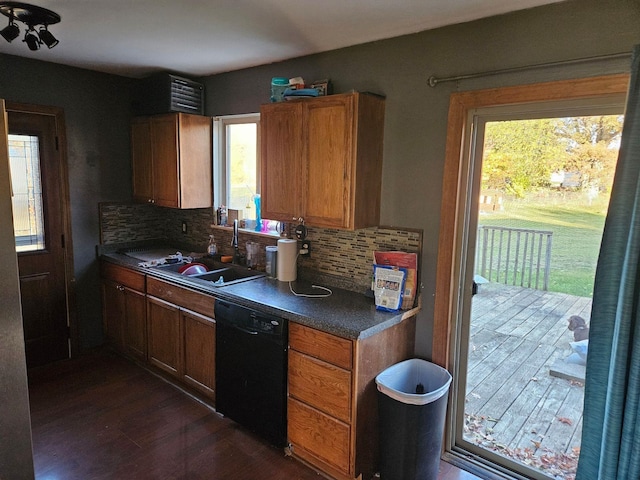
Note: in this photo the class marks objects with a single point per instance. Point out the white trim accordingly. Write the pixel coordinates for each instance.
(220, 157)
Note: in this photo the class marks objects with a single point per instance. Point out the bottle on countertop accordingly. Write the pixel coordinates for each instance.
(212, 248)
(221, 215)
(256, 200)
(271, 261)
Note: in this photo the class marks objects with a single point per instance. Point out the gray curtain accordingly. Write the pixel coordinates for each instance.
(611, 433)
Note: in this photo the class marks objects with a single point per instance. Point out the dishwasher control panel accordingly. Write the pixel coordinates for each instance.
(265, 325)
(249, 319)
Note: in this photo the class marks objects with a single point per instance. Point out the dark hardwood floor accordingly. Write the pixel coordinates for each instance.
(102, 417)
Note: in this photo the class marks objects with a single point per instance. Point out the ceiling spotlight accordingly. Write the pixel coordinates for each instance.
(32, 39)
(32, 16)
(47, 38)
(10, 32)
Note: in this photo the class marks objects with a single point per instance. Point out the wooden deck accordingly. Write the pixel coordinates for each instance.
(512, 401)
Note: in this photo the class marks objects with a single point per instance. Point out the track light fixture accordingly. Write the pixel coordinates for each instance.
(32, 16)
(10, 32)
(47, 37)
(32, 39)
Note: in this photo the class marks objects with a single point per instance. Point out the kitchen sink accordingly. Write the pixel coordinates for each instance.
(170, 267)
(216, 276)
(226, 276)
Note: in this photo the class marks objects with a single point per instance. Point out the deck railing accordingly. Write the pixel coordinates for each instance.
(514, 256)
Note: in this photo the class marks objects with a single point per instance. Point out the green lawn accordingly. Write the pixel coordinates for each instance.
(577, 232)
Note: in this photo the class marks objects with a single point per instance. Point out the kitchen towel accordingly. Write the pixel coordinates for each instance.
(287, 259)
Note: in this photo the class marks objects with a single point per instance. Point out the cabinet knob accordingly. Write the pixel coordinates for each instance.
(120, 287)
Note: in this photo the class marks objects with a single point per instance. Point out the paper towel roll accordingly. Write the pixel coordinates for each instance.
(287, 256)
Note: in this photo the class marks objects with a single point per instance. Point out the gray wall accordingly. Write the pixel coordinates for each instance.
(416, 115)
(97, 112)
(97, 115)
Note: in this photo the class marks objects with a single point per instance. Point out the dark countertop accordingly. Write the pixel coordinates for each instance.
(343, 313)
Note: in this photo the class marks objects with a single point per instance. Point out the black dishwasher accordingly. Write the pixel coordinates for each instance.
(251, 370)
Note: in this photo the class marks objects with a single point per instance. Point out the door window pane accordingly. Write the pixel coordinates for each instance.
(28, 219)
(544, 189)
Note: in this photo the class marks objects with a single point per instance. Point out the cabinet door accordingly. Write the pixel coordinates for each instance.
(163, 330)
(113, 312)
(199, 346)
(328, 161)
(135, 331)
(142, 178)
(281, 157)
(195, 161)
(164, 142)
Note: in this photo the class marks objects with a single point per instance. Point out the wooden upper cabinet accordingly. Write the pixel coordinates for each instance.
(141, 160)
(281, 166)
(172, 160)
(322, 160)
(166, 160)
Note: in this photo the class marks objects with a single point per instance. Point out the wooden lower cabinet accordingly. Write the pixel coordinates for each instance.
(124, 310)
(332, 400)
(320, 384)
(182, 338)
(113, 311)
(318, 436)
(199, 344)
(163, 330)
(332, 406)
(170, 327)
(135, 329)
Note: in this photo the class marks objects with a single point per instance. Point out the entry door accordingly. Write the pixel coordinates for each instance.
(38, 213)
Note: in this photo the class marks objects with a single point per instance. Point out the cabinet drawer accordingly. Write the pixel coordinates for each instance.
(324, 437)
(122, 276)
(333, 349)
(320, 384)
(183, 297)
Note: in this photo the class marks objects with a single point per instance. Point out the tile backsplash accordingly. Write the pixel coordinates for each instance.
(124, 223)
(344, 255)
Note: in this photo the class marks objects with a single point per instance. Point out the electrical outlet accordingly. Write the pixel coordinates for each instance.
(184, 227)
(305, 248)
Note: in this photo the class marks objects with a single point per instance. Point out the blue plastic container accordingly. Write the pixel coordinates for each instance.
(278, 86)
(256, 200)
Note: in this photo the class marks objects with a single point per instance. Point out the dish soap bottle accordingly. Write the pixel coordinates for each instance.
(212, 248)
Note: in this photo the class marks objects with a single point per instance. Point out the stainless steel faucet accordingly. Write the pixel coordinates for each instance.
(234, 239)
(234, 242)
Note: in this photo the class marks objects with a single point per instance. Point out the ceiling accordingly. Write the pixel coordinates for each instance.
(135, 38)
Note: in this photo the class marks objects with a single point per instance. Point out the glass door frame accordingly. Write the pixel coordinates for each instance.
(452, 277)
